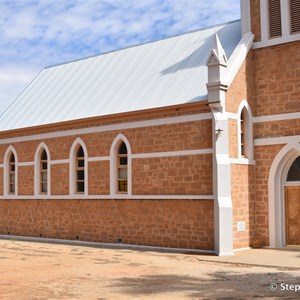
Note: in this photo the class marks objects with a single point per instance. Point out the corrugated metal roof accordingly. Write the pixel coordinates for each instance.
(157, 74)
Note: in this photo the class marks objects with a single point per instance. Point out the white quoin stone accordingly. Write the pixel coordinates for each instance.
(217, 87)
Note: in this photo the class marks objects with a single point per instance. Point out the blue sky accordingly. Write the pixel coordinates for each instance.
(39, 33)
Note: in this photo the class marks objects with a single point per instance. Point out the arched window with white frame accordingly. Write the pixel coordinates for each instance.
(79, 173)
(245, 131)
(42, 170)
(11, 172)
(122, 169)
(78, 168)
(120, 166)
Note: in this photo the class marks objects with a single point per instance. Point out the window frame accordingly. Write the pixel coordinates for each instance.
(121, 166)
(78, 142)
(113, 166)
(6, 176)
(42, 171)
(79, 168)
(11, 172)
(245, 132)
(37, 170)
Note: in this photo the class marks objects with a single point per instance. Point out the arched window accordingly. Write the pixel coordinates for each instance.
(43, 172)
(79, 169)
(294, 171)
(122, 168)
(12, 174)
(243, 133)
(245, 136)
(78, 172)
(10, 180)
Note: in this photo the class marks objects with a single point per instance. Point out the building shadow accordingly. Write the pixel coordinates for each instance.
(219, 285)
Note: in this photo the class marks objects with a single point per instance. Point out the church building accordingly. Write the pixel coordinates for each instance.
(190, 142)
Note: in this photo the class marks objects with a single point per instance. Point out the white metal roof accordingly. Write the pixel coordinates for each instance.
(157, 74)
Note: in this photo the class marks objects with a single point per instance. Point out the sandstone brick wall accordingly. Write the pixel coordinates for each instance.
(233, 138)
(243, 200)
(242, 86)
(277, 128)
(242, 176)
(59, 179)
(26, 180)
(193, 175)
(255, 19)
(180, 175)
(1, 180)
(99, 178)
(265, 155)
(277, 72)
(166, 223)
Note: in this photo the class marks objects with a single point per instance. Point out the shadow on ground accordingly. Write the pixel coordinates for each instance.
(220, 285)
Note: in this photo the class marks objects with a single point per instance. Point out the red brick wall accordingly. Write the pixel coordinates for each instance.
(166, 223)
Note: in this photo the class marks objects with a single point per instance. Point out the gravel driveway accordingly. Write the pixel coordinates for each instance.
(50, 271)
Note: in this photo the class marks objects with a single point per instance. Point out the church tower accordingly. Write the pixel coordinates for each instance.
(272, 22)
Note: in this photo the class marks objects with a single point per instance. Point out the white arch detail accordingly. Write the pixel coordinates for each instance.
(277, 177)
(248, 130)
(73, 149)
(42, 146)
(9, 150)
(113, 154)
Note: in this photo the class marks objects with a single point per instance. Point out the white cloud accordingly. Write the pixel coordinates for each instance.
(39, 33)
(13, 80)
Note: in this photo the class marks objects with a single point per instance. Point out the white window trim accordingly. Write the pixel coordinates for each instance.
(72, 188)
(9, 150)
(113, 164)
(118, 196)
(37, 172)
(248, 131)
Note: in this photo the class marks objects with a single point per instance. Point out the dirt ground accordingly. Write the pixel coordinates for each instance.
(49, 271)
